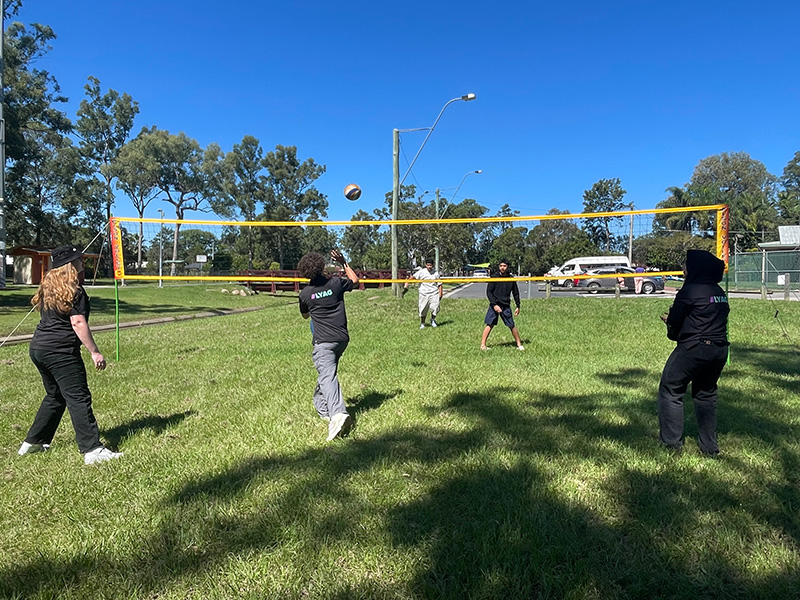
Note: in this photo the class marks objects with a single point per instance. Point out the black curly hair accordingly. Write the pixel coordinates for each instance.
(312, 265)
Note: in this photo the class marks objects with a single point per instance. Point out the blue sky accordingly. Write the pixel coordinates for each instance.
(567, 93)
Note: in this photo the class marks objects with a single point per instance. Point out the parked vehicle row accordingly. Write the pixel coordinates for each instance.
(625, 276)
(579, 265)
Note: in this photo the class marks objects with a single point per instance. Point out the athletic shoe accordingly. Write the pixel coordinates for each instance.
(520, 347)
(27, 448)
(422, 325)
(484, 348)
(337, 425)
(433, 323)
(100, 454)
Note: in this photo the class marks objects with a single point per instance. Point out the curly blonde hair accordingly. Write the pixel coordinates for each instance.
(57, 290)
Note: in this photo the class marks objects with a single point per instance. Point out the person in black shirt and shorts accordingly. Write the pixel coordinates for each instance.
(698, 322)
(323, 300)
(56, 351)
(499, 295)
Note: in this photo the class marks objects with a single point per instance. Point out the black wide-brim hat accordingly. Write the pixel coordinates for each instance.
(63, 255)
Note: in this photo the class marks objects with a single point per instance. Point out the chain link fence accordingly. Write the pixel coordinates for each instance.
(771, 269)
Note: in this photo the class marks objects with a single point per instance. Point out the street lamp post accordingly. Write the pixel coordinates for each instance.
(160, 247)
(476, 172)
(397, 181)
(452, 201)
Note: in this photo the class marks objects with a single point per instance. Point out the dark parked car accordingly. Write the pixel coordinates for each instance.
(650, 285)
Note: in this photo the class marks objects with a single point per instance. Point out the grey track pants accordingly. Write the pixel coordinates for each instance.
(328, 399)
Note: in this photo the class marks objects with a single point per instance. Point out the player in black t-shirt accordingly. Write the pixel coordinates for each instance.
(698, 322)
(56, 351)
(323, 300)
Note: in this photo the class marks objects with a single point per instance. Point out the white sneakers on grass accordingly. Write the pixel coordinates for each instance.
(339, 424)
(101, 454)
(520, 347)
(422, 325)
(97, 455)
(27, 448)
(433, 323)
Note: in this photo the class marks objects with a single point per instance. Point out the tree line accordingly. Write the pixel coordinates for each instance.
(63, 177)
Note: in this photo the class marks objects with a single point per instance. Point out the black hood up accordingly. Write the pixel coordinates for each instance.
(703, 267)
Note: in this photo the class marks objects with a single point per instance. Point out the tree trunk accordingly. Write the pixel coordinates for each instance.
(174, 264)
(139, 253)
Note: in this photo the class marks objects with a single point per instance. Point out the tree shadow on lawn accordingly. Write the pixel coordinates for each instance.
(369, 400)
(769, 361)
(485, 506)
(131, 310)
(157, 424)
(14, 303)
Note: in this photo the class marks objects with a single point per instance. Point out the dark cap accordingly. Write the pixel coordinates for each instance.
(63, 255)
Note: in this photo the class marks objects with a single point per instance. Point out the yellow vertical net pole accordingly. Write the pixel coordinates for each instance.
(119, 270)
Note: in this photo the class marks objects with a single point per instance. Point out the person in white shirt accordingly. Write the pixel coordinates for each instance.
(430, 292)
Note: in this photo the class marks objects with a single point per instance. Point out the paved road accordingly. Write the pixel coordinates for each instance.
(478, 290)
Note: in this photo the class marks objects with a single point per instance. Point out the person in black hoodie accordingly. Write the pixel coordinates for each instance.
(499, 295)
(698, 322)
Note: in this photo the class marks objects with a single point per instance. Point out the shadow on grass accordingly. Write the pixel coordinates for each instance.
(369, 400)
(156, 424)
(499, 509)
(14, 302)
(131, 310)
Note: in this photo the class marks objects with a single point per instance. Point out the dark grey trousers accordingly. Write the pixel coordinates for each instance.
(65, 386)
(328, 399)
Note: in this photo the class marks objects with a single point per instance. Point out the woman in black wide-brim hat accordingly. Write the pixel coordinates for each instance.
(56, 351)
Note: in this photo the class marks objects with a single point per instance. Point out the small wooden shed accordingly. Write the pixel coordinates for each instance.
(30, 264)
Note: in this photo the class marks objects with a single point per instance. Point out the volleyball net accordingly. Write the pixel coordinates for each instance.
(268, 251)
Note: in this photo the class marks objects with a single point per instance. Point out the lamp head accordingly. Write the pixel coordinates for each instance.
(479, 171)
(468, 97)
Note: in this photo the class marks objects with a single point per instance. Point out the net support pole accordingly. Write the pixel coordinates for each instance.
(116, 313)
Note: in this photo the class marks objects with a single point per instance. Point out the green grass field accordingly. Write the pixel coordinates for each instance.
(499, 474)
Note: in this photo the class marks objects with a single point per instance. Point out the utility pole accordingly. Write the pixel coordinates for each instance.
(396, 289)
(2, 155)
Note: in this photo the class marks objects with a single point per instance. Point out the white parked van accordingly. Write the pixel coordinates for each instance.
(576, 266)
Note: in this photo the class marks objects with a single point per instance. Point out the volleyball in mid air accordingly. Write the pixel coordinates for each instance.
(352, 191)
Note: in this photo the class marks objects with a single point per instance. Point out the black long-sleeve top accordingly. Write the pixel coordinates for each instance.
(499, 292)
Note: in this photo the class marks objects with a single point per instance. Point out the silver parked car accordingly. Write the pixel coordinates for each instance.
(625, 276)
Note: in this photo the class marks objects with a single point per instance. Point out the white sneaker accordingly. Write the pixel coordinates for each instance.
(27, 448)
(520, 347)
(422, 325)
(433, 323)
(337, 425)
(100, 454)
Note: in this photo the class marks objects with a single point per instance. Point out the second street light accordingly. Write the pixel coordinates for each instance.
(397, 181)
(452, 201)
